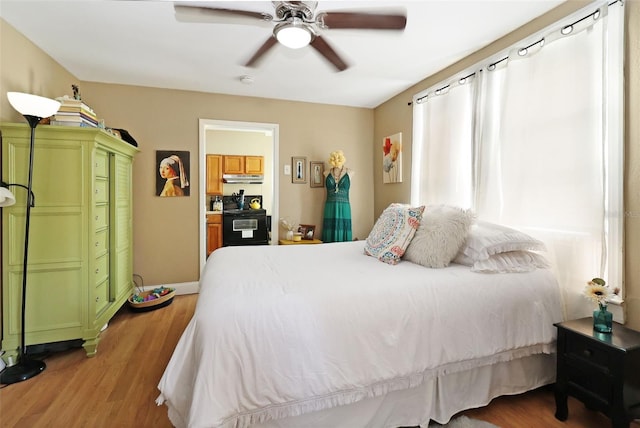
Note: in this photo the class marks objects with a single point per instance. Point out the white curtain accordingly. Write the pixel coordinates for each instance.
(543, 152)
(444, 174)
(541, 157)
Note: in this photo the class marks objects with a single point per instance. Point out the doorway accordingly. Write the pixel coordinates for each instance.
(271, 180)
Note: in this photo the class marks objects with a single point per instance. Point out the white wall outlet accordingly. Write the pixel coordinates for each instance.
(287, 170)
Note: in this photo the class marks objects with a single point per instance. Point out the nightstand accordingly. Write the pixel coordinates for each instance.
(601, 370)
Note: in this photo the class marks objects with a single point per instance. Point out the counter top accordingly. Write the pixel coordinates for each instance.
(214, 212)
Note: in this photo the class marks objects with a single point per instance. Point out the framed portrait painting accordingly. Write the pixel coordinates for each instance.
(172, 173)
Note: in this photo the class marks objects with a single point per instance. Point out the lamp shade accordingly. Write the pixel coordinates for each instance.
(294, 35)
(33, 105)
(6, 197)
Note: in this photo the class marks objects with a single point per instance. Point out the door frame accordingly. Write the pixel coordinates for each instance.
(205, 125)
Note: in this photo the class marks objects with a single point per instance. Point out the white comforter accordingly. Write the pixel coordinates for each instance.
(283, 330)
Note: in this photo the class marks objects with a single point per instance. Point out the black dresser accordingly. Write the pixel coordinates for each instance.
(601, 370)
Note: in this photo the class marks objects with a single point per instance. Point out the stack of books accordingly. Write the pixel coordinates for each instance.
(74, 112)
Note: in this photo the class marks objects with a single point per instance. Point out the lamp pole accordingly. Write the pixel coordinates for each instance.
(33, 108)
(25, 368)
(33, 122)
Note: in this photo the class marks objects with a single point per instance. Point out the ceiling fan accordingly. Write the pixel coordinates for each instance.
(297, 24)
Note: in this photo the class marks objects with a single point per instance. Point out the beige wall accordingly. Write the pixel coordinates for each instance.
(166, 242)
(395, 115)
(632, 167)
(166, 230)
(25, 68)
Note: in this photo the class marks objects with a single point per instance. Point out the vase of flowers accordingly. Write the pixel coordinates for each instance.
(290, 228)
(598, 292)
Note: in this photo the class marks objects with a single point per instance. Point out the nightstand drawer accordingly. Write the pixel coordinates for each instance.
(597, 385)
(588, 351)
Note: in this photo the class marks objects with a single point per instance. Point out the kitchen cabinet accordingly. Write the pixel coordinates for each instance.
(254, 164)
(236, 164)
(80, 246)
(214, 232)
(214, 175)
(233, 164)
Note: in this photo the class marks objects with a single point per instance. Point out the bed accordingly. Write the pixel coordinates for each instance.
(326, 336)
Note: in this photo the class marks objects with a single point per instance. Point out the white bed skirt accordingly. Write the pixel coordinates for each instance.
(438, 399)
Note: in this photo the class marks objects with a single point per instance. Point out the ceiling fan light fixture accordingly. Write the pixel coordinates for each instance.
(294, 34)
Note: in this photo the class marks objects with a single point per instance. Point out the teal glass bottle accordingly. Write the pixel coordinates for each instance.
(602, 319)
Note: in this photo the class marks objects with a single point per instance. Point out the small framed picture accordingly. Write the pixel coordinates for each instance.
(316, 176)
(299, 167)
(307, 230)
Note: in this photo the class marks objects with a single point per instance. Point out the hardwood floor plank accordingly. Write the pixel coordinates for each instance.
(118, 387)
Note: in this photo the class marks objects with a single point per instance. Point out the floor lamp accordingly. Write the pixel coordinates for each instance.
(33, 108)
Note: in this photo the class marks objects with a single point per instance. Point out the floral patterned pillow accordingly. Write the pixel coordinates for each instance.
(393, 232)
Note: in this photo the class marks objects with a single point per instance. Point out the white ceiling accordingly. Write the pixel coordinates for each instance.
(141, 43)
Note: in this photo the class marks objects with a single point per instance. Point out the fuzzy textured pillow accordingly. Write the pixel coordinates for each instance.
(486, 239)
(393, 232)
(443, 230)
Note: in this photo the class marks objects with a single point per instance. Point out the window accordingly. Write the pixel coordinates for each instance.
(533, 139)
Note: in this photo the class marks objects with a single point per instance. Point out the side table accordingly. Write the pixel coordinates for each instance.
(601, 370)
(303, 241)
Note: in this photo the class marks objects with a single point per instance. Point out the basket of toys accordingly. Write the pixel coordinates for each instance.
(150, 300)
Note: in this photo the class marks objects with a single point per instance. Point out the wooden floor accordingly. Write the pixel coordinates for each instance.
(117, 387)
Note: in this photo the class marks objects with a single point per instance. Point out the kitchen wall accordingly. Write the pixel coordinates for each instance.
(395, 115)
(228, 142)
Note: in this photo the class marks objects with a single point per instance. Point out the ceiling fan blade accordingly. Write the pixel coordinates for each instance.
(319, 44)
(271, 41)
(357, 20)
(192, 13)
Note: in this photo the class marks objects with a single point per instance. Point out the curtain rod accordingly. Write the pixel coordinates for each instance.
(461, 81)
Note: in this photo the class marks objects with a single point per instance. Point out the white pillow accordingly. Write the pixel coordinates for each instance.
(486, 239)
(442, 232)
(510, 262)
(392, 232)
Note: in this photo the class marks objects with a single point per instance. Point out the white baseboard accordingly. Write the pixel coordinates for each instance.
(181, 288)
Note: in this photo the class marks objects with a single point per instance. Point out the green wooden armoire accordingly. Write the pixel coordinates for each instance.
(80, 247)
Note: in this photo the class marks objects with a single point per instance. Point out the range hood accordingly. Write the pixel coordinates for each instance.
(243, 178)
